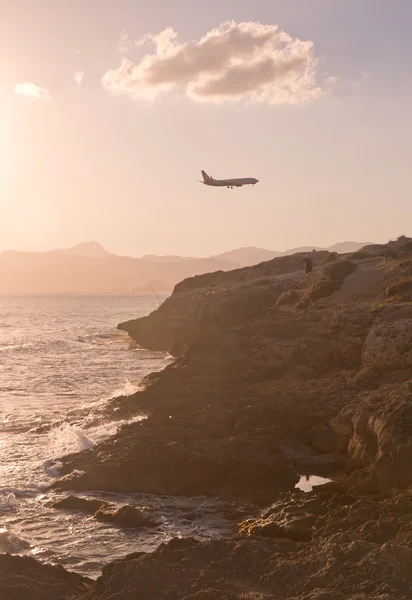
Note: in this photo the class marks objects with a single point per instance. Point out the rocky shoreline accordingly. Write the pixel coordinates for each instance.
(271, 381)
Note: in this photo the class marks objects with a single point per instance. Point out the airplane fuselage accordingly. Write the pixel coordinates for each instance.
(230, 183)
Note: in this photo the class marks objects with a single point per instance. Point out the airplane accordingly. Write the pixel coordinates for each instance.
(229, 183)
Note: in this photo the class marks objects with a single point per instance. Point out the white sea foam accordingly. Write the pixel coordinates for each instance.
(106, 430)
(128, 389)
(28, 490)
(11, 543)
(8, 502)
(97, 406)
(52, 468)
(68, 439)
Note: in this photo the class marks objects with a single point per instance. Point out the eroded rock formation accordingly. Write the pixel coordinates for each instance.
(272, 380)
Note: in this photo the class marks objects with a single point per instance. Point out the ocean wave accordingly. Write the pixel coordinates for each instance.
(68, 439)
(24, 347)
(63, 361)
(52, 468)
(8, 502)
(106, 430)
(11, 543)
(68, 432)
(9, 495)
(102, 339)
(128, 389)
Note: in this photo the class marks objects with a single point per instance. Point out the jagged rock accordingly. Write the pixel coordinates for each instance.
(253, 378)
(322, 465)
(297, 525)
(346, 548)
(89, 505)
(382, 433)
(353, 552)
(353, 547)
(23, 578)
(342, 425)
(128, 516)
(329, 439)
(353, 320)
(364, 376)
(389, 346)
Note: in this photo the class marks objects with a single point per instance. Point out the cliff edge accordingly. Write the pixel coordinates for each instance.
(272, 379)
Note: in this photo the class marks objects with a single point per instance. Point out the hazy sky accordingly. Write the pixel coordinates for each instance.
(109, 109)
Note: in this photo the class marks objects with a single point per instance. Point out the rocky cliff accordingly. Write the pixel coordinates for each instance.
(272, 380)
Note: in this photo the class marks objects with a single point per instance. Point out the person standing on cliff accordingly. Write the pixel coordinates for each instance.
(308, 269)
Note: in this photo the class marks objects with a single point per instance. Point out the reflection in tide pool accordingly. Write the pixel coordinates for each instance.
(306, 483)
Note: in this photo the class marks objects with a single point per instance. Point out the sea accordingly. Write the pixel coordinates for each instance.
(61, 360)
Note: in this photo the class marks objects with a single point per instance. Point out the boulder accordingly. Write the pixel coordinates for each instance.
(23, 578)
(89, 505)
(333, 437)
(388, 346)
(128, 516)
(382, 439)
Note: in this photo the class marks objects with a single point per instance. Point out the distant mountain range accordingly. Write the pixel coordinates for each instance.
(246, 257)
(89, 249)
(241, 257)
(90, 268)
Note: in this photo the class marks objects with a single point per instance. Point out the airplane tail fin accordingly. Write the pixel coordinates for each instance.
(206, 177)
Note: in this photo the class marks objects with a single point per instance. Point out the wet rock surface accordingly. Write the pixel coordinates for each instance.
(328, 544)
(325, 544)
(89, 505)
(23, 578)
(128, 516)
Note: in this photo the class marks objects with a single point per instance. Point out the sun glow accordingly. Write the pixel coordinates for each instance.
(6, 161)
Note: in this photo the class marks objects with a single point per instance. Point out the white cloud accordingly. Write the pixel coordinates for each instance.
(235, 61)
(125, 43)
(30, 89)
(78, 77)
